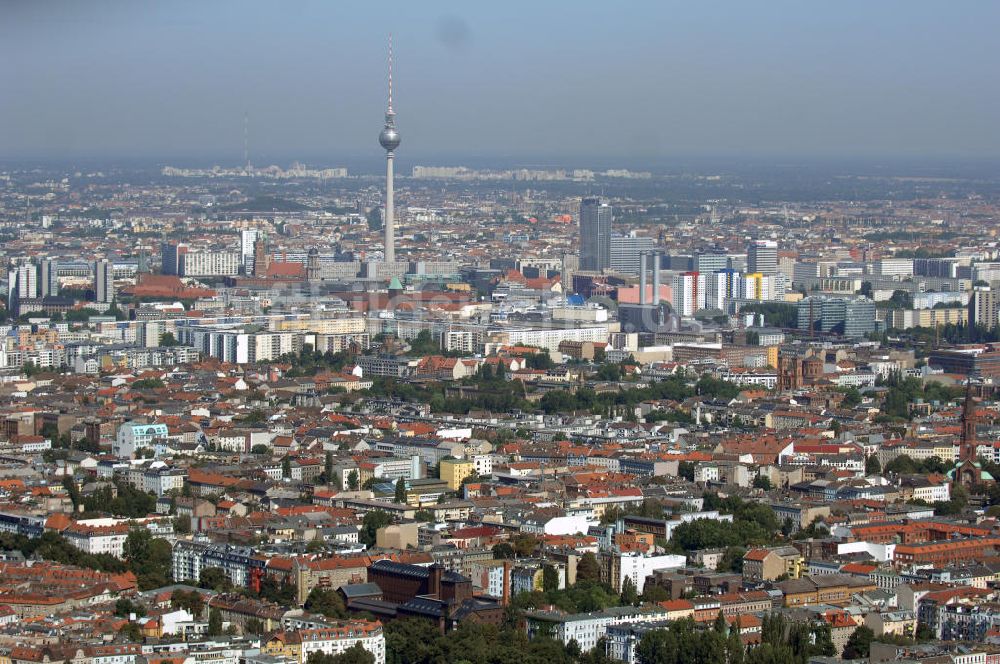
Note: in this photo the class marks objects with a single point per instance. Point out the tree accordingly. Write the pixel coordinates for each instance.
(629, 593)
(873, 466)
(286, 467)
(732, 560)
(370, 524)
(588, 569)
(550, 578)
(149, 558)
(653, 594)
(957, 504)
(900, 299)
(773, 629)
(859, 644)
(504, 551)
(148, 384)
(720, 625)
(823, 640)
(902, 465)
(735, 650)
(681, 643)
(182, 525)
(356, 654)
(609, 373)
(328, 467)
(168, 339)
(327, 602)
(215, 578)
(114, 310)
(524, 545)
(400, 496)
(762, 482)
(413, 641)
(254, 626)
(799, 640)
(191, 601)
(352, 480)
(279, 593)
(214, 622)
(120, 499)
(767, 653)
(852, 397)
(541, 361)
(486, 372)
(71, 490)
(131, 632)
(254, 418)
(125, 607)
(50, 430)
(424, 344)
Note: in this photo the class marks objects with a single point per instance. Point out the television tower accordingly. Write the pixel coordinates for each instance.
(389, 140)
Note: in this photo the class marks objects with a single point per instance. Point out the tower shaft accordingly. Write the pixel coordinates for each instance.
(390, 221)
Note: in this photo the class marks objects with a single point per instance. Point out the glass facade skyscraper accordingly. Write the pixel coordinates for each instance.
(595, 234)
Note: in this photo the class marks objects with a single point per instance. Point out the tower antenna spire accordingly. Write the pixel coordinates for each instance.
(390, 73)
(246, 141)
(246, 153)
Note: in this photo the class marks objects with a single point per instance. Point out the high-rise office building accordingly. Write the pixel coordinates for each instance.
(894, 267)
(388, 138)
(210, 264)
(723, 285)
(849, 317)
(689, 293)
(984, 308)
(104, 282)
(756, 286)
(626, 251)
(595, 234)
(762, 257)
(248, 236)
(22, 284)
(48, 278)
(710, 262)
(170, 257)
(678, 262)
(946, 268)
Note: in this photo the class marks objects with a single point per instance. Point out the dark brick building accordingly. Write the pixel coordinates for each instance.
(401, 582)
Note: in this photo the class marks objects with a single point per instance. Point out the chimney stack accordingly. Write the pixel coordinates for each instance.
(642, 278)
(656, 278)
(506, 584)
(434, 580)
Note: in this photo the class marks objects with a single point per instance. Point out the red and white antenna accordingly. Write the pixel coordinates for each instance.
(390, 73)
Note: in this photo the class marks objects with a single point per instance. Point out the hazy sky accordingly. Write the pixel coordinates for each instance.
(539, 79)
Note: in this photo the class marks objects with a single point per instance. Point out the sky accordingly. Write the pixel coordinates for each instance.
(627, 81)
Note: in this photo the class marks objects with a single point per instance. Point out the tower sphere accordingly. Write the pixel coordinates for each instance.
(389, 138)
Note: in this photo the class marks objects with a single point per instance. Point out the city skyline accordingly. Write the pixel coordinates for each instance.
(898, 79)
(675, 341)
